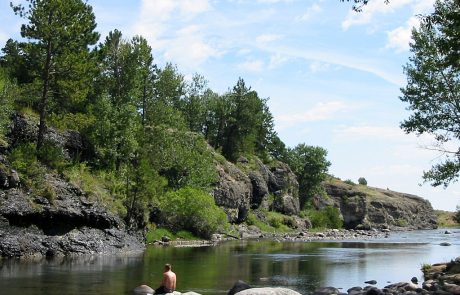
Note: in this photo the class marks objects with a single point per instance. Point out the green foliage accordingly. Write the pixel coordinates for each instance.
(328, 217)
(100, 186)
(310, 165)
(59, 33)
(349, 181)
(8, 91)
(80, 122)
(457, 215)
(362, 181)
(426, 267)
(24, 160)
(433, 88)
(183, 158)
(52, 156)
(155, 234)
(272, 221)
(193, 210)
(401, 222)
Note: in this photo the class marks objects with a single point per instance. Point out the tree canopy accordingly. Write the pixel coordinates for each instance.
(433, 88)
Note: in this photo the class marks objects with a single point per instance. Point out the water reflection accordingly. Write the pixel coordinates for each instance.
(213, 270)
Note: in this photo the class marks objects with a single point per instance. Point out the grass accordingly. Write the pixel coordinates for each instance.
(446, 219)
(155, 234)
(426, 267)
(274, 222)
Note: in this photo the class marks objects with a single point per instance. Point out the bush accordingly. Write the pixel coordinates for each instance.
(52, 156)
(362, 181)
(457, 215)
(193, 210)
(328, 217)
(349, 181)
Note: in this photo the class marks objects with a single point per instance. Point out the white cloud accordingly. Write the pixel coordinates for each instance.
(252, 65)
(189, 48)
(276, 60)
(317, 66)
(400, 37)
(370, 10)
(3, 38)
(374, 67)
(310, 13)
(168, 26)
(423, 6)
(267, 38)
(320, 112)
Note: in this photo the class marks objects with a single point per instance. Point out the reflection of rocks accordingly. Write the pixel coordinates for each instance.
(242, 288)
(146, 290)
(268, 291)
(440, 279)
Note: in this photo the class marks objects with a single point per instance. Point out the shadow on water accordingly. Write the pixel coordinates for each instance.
(213, 270)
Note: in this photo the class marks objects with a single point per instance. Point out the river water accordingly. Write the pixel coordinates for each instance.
(213, 270)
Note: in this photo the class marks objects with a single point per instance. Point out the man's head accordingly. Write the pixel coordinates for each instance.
(167, 267)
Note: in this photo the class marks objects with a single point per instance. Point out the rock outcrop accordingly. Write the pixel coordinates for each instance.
(35, 226)
(254, 185)
(363, 207)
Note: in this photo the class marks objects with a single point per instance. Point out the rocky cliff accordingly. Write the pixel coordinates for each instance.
(69, 224)
(254, 185)
(65, 222)
(364, 207)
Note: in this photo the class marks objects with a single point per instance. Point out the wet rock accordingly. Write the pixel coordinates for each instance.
(165, 239)
(238, 287)
(35, 226)
(371, 282)
(414, 280)
(447, 232)
(326, 291)
(452, 288)
(445, 244)
(374, 291)
(143, 290)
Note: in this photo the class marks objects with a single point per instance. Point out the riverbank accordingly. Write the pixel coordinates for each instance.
(252, 233)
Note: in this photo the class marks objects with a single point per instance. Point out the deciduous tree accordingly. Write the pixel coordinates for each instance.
(433, 88)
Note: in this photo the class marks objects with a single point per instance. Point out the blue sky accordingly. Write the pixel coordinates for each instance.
(332, 75)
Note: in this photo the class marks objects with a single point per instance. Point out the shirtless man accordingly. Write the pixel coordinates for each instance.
(168, 284)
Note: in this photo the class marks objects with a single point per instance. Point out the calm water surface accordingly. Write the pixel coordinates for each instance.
(213, 270)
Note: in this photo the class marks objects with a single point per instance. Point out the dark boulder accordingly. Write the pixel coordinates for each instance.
(237, 287)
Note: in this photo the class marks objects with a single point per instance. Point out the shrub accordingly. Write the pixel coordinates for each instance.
(328, 217)
(24, 159)
(349, 181)
(52, 156)
(193, 210)
(362, 181)
(457, 215)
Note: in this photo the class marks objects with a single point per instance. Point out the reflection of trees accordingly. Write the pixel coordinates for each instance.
(78, 275)
(206, 270)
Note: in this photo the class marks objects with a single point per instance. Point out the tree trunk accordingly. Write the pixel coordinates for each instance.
(44, 98)
(46, 82)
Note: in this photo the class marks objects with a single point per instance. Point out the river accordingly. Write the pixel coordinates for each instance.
(213, 270)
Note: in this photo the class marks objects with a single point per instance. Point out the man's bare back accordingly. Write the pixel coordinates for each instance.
(168, 283)
(169, 280)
